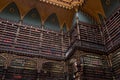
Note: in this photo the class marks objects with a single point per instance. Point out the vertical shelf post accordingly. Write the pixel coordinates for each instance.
(77, 21)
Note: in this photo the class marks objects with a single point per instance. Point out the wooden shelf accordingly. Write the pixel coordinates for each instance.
(111, 30)
(24, 38)
(94, 67)
(115, 59)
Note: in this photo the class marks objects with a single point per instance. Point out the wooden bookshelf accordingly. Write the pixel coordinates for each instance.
(37, 40)
(51, 43)
(111, 30)
(31, 40)
(90, 33)
(90, 37)
(93, 67)
(115, 59)
(17, 73)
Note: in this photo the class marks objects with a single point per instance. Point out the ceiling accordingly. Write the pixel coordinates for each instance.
(64, 9)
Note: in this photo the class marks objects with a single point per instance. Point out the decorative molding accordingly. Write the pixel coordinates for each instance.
(68, 4)
(108, 2)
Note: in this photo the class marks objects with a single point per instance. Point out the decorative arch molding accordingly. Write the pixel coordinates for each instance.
(32, 18)
(88, 17)
(4, 4)
(11, 12)
(41, 7)
(52, 23)
(25, 6)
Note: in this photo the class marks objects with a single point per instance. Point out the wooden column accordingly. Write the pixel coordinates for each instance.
(62, 42)
(77, 21)
(17, 34)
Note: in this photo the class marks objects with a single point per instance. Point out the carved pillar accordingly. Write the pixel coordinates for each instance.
(62, 42)
(17, 34)
(69, 38)
(78, 65)
(77, 21)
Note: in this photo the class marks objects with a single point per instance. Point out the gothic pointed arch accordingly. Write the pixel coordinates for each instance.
(32, 18)
(10, 12)
(84, 17)
(52, 23)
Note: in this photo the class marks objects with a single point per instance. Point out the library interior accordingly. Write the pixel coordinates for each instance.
(59, 39)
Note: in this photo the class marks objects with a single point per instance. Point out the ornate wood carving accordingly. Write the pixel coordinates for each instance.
(68, 4)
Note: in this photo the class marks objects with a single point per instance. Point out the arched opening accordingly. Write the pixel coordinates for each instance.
(52, 23)
(32, 18)
(11, 12)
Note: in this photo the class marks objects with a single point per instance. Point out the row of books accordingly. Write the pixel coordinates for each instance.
(27, 74)
(111, 30)
(115, 59)
(24, 38)
(88, 36)
(88, 32)
(93, 67)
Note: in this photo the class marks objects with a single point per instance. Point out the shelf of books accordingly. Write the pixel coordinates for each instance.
(90, 33)
(66, 42)
(53, 71)
(22, 38)
(93, 67)
(90, 36)
(28, 40)
(15, 73)
(51, 43)
(115, 58)
(111, 30)
(7, 35)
